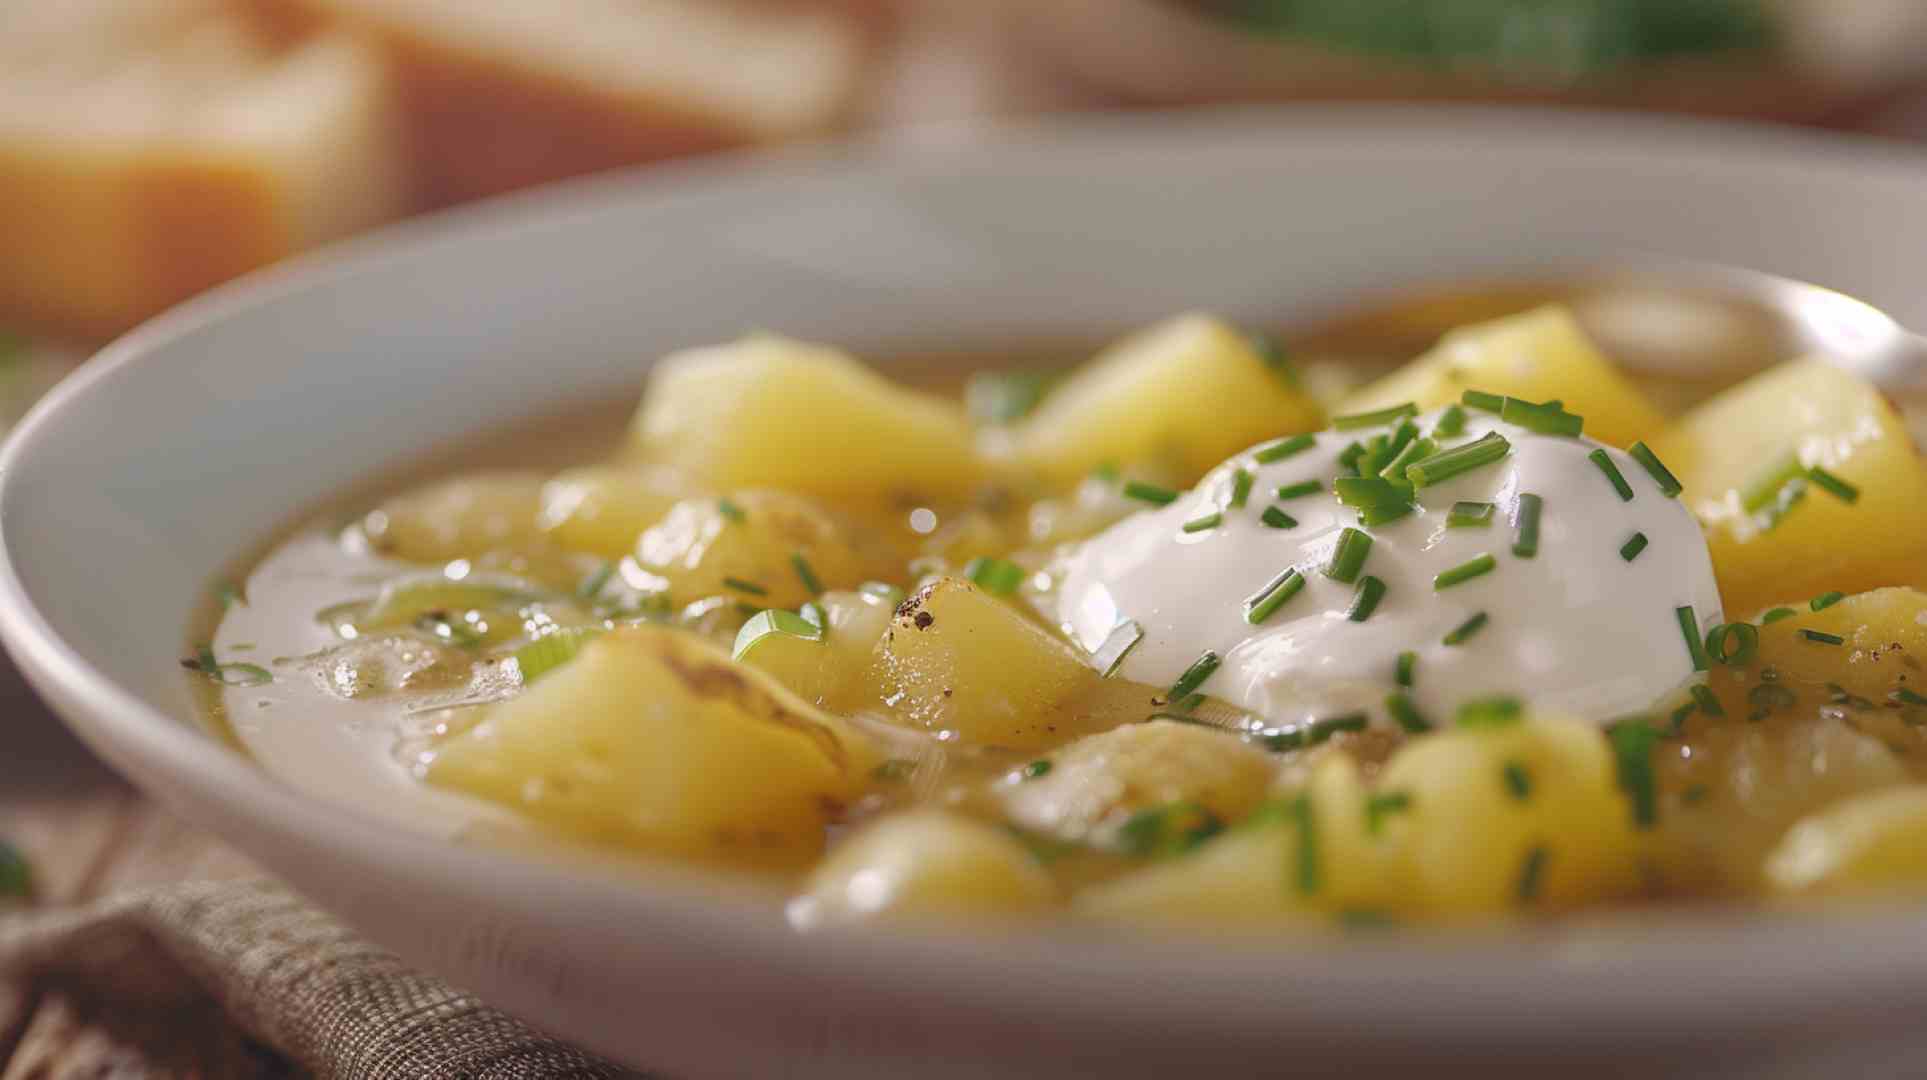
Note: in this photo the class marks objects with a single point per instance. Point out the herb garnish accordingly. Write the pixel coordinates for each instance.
(1203, 523)
(1632, 743)
(1604, 460)
(1469, 515)
(1149, 493)
(1167, 831)
(1284, 448)
(1689, 627)
(1634, 544)
(1464, 572)
(1365, 601)
(1241, 481)
(1464, 631)
(1821, 638)
(1518, 782)
(742, 586)
(1498, 711)
(1194, 676)
(1744, 639)
(1547, 418)
(1379, 805)
(1530, 873)
(999, 577)
(1260, 605)
(1833, 485)
(1348, 556)
(1275, 518)
(1447, 464)
(1525, 538)
(1407, 665)
(1116, 646)
(1040, 767)
(1825, 601)
(1298, 490)
(1376, 418)
(1405, 714)
(1669, 485)
(730, 510)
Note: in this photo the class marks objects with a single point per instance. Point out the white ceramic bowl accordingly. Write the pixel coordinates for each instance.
(179, 446)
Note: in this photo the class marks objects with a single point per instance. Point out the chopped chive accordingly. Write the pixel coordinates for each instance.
(591, 586)
(1277, 519)
(1909, 697)
(1405, 714)
(1518, 782)
(730, 510)
(1298, 490)
(1348, 457)
(1379, 805)
(1447, 464)
(813, 613)
(1167, 831)
(1790, 496)
(1317, 732)
(1384, 513)
(1776, 615)
(1305, 874)
(551, 651)
(1376, 499)
(1479, 399)
(1632, 745)
(742, 586)
(1040, 767)
(1744, 638)
(1116, 646)
(1187, 704)
(1604, 460)
(1464, 631)
(1284, 448)
(1261, 604)
(1194, 676)
(1240, 488)
(1525, 537)
(1499, 711)
(1669, 485)
(1469, 515)
(1825, 600)
(1707, 700)
(1416, 450)
(1348, 556)
(1407, 667)
(772, 623)
(1820, 638)
(1531, 871)
(1464, 572)
(1549, 418)
(1365, 600)
(1689, 627)
(1767, 488)
(807, 574)
(233, 673)
(1201, 524)
(1451, 423)
(1150, 493)
(999, 577)
(1375, 418)
(1833, 485)
(1634, 544)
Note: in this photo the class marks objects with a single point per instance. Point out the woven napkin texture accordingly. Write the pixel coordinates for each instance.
(290, 977)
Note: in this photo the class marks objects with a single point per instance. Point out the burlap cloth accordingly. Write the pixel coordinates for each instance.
(292, 979)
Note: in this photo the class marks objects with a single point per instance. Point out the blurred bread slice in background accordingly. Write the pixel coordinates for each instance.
(152, 148)
(500, 94)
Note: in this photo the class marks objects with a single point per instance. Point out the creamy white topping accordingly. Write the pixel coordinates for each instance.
(1577, 628)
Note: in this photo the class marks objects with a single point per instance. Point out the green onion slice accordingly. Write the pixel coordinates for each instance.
(1405, 714)
(1632, 744)
(1464, 631)
(1194, 676)
(1766, 488)
(1604, 460)
(1634, 544)
(1447, 464)
(771, 623)
(1204, 523)
(1825, 600)
(1298, 490)
(1821, 638)
(1284, 448)
(999, 577)
(1451, 423)
(1241, 481)
(1277, 519)
(1348, 556)
(1365, 600)
(1525, 536)
(1776, 615)
(1548, 418)
(1149, 493)
(1464, 572)
(1470, 515)
(1669, 485)
(1375, 418)
(1833, 485)
(1499, 711)
(1479, 399)
(1266, 601)
(1406, 669)
(1689, 627)
(1733, 644)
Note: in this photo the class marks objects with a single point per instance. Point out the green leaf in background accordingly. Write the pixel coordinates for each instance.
(16, 876)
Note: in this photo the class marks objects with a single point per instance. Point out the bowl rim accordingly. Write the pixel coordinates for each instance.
(1046, 961)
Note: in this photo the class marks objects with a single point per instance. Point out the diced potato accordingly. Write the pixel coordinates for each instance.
(1099, 780)
(1827, 418)
(961, 663)
(1884, 649)
(1869, 843)
(1260, 871)
(827, 671)
(1192, 390)
(713, 547)
(602, 509)
(769, 412)
(1538, 356)
(923, 863)
(651, 738)
(1476, 846)
(458, 519)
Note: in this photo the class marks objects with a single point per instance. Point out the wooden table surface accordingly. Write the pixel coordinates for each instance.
(87, 834)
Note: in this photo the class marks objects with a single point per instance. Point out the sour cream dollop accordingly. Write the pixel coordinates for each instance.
(1576, 628)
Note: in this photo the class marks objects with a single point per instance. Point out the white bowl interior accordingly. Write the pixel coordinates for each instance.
(195, 437)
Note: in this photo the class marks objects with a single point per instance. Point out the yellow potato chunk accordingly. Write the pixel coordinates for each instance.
(602, 509)
(826, 670)
(749, 541)
(767, 411)
(961, 663)
(1525, 818)
(1100, 780)
(1538, 356)
(650, 738)
(1264, 870)
(1805, 414)
(923, 863)
(1867, 844)
(1191, 391)
(461, 518)
(1884, 645)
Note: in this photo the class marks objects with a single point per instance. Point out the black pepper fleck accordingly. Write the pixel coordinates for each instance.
(923, 620)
